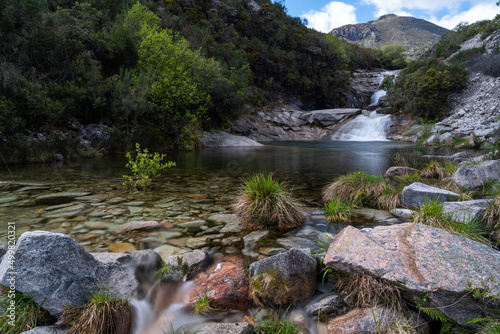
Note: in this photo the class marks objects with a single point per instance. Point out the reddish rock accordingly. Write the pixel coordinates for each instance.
(226, 284)
(167, 224)
(97, 228)
(198, 196)
(121, 247)
(88, 237)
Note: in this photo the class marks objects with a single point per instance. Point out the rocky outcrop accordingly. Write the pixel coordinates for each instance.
(286, 124)
(473, 176)
(418, 193)
(378, 319)
(223, 139)
(331, 306)
(424, 261)
(284, 279)
(57, 272)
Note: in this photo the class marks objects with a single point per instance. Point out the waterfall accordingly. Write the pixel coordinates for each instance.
(364, 128)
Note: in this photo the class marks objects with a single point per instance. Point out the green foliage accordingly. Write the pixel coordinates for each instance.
(202, 304)
(144, 166)
(393, 56)
(264, 202)
(277, 325)
(164, 271)
(432, 214)
(27, 314)
(337, 211)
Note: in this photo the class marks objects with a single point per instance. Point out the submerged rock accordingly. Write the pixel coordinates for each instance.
(425, 261)
(59, 198)
(227, 328)
(223, 139)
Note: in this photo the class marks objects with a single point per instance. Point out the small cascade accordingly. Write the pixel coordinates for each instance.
(377, 95)
(364, 128)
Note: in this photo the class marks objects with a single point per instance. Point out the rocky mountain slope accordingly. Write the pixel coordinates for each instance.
(414, 34)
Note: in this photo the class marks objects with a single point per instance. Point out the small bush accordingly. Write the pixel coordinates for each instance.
(106, 313)
(337, 211)
(265, 203)
(487, 64)
(28, 314)
(144, 166)
(361, 188)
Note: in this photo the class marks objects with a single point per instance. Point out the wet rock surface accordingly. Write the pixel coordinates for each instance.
(425, 261)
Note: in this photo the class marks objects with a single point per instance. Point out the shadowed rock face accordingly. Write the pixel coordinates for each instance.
(418, 193)
(425, 261)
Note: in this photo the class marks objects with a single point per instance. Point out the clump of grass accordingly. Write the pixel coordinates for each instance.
(367, 291)
(362, 189)
(277, 325)
(105, 313)
(432, 214)
(28, 314)
(264, 203)
(337, 211)
(492, 216)
(407, 179)
(164, 271)
(433, 170)
(202, 304)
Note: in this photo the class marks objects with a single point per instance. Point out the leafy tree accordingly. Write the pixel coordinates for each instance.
(393, 56)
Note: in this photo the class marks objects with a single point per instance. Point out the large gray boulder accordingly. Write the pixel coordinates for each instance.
(425, 262)
(47, 330)
(418, 193)
(57, 272)
(296, 271)
(219, 138)
(473, 176)
(467, 210)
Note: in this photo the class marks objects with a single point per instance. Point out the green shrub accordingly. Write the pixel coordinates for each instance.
(144, 166)
(265, 203)
(202, 304)
(28, 314)
(106, 313)
(361, 188)
(277, 325)
(337, 211)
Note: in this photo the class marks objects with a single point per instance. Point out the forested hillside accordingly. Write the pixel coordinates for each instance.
(159, 71)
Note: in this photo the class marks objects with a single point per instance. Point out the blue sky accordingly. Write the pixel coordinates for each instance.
(324, 15)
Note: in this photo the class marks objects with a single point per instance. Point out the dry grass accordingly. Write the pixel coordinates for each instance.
(363, 189)
(492, 216)
(264, 203)
(368, 291)
(104, 314)
(433, 170)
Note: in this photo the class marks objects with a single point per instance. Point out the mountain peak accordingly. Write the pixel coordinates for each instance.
(415, 35)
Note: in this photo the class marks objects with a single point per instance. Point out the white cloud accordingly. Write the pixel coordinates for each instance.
(333, 15)
(476, 13)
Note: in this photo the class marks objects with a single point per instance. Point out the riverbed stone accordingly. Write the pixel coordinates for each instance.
(418, 193)
(403, 213)
(298, 242)
(48, 330)
(425, 261)
(473, 176)
(198, 242)
(331, 305)
(166, 251)
(121, 247)
(196, 258)
(194, 223)
(69, 212)
(137, 225)
(59, 198)
(227, 328)
(250, 241)
(56, 271)
(294, 267)
(396, 171)
(374, 320)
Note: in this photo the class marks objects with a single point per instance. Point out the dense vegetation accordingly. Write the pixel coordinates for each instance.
(424, 86)
(158, 71)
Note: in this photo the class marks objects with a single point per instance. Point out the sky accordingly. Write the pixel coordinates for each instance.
(324, 15)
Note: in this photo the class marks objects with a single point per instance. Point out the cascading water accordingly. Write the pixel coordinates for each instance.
(365, 127)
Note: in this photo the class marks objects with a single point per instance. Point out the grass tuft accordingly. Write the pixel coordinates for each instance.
(337, 211)
(28, 314)
(432, 214)
(492, 216)
(362, 189)
(106, 313)
(202, 304)
(264, 203)
(268, 289)
(276, 325)
(433, 170)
